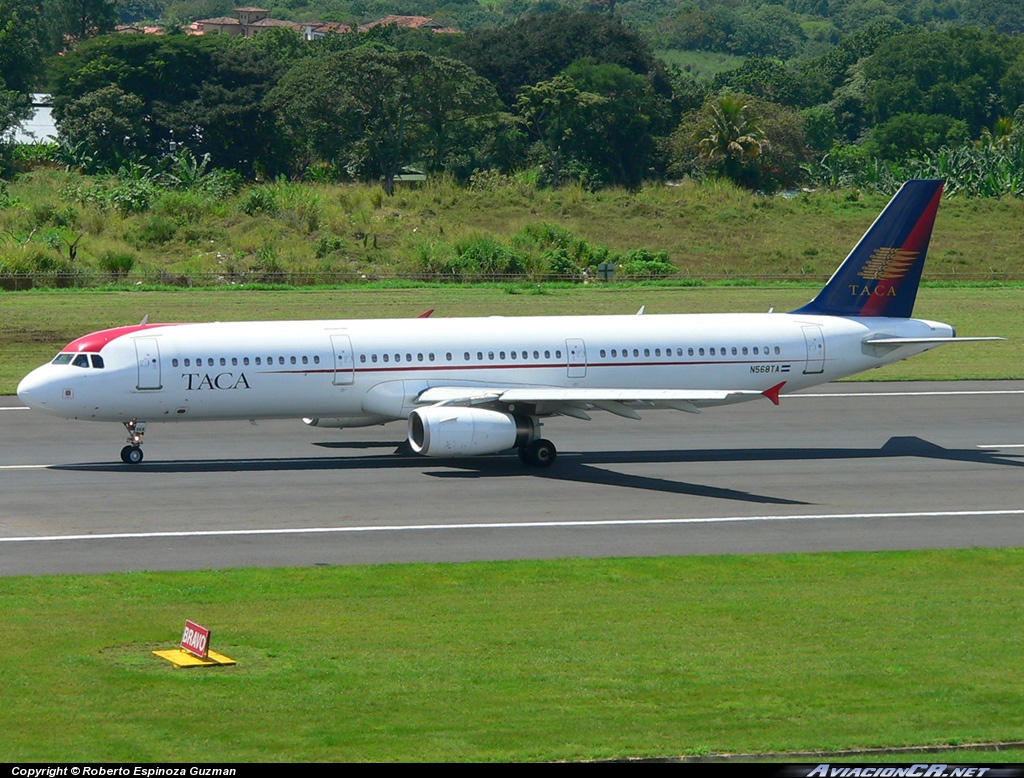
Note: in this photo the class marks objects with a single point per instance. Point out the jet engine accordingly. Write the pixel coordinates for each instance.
(443, 431)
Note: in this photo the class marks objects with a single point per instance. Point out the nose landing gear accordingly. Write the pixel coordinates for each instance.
(132, 453)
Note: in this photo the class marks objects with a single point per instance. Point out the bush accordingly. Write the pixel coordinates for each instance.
(487, 256)
(258, 200)
(328, 244)
(117, 263)
(155, 231)
(642, 263)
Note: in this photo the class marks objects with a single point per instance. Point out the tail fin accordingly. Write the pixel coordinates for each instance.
(881, 274)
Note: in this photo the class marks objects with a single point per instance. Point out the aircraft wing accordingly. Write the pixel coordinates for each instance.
(575, 402)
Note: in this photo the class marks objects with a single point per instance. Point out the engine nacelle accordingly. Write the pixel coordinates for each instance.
(363, 420)
(453, 431)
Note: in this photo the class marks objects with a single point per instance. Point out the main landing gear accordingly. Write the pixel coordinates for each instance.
(132, 453)
(539, 453)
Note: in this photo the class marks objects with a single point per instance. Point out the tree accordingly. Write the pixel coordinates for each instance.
(109, 123)
(620, 142)
(537, 47)
(909, 134)
(206, 92)
(374, 111)
(20, 50)
(729, 136)
(14, 109)
(69, 22)
(559, 117)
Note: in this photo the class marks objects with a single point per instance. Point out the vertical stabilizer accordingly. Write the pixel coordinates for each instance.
(881, 274)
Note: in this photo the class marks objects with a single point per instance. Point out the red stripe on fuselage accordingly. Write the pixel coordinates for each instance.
(95, 341)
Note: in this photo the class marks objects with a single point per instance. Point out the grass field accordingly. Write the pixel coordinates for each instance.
(572, 659)
(37, 324)
(706, 229)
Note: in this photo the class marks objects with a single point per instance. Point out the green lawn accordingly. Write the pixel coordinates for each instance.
(570, 659)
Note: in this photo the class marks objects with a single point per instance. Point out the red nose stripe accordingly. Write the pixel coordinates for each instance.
(95, 341)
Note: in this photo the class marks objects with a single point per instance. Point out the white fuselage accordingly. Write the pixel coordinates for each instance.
(359, 372)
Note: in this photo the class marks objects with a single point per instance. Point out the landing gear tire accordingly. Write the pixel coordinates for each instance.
(131, 455)
(540, 453)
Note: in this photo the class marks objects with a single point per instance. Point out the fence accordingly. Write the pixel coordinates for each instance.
(86, 279)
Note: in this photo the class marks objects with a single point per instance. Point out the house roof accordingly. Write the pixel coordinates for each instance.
(411, 22)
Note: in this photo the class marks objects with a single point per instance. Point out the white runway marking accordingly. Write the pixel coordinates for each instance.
(902, 394)
(506, 525)
(24, 467)
(15, 408)
(1001, 445)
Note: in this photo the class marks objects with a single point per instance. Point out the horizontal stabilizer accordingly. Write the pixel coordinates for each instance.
(922, 341)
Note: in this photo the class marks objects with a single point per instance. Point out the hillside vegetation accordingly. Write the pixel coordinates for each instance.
(66, 229)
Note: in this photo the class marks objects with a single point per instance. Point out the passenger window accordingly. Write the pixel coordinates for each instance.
(689, 352)
(536, 355)
(245, 361)
(373, 357)
(547, 355)
(734, 351)
(490, 355)
(701, 351)
(259, 361)
(294, 360)
(305, 360)
(657, 352)
(778, 350)
(480, 355)
(558, 353)
(419, 357)
(385, 357)
(174, 362)
(280, 360)
(97, 361)
(362, 357)
(636, 352)
(712, 351)
(223, 362)
(316, 360)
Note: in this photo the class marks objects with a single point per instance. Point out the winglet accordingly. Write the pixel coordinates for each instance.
(773, 393)
(425, 314)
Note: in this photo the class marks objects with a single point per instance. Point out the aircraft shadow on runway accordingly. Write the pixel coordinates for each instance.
(585, 467)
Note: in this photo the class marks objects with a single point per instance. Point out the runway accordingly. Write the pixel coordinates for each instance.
(843, 467)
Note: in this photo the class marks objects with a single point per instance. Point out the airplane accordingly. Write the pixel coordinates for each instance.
(477, 386)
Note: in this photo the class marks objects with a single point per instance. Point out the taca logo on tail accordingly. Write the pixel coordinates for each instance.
(881, 275)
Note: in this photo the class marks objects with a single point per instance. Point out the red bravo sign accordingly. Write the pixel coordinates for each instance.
(195, 639)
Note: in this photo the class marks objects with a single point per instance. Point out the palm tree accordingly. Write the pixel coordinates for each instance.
(730, 135)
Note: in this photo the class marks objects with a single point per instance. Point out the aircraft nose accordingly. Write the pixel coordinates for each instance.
(34, 389)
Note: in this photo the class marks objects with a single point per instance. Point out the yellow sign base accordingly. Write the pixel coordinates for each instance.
(180, 658)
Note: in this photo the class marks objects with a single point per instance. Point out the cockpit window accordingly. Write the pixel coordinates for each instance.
(62, 359)
(97, 361)
(82, 360)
